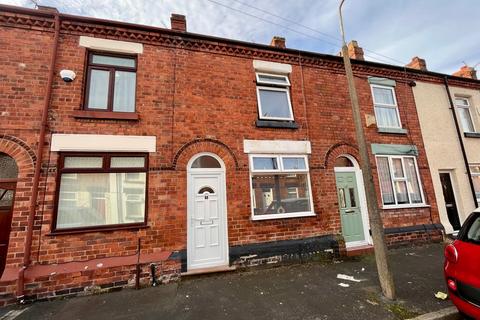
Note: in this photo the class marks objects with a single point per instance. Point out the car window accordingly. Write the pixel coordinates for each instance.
(473, 233)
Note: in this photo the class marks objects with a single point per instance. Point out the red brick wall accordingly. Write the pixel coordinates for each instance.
(192, 101)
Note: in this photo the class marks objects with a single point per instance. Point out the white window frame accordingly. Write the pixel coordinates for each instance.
(260, 113)
(259, 81)
(404, 178)
(268, 156)
(293, 170)
(474, 174)
(467, 107)
(385, 105)
(280, 171)
(273, 86)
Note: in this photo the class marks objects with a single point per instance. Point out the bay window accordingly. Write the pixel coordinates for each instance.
(100, 191)
(399, 181)
(280, 186)
(386, 108)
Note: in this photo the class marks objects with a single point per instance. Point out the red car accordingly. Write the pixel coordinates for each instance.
(462, 268)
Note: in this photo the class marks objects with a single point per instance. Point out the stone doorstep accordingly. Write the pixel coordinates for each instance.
(449, 313)
(200, 271)
(360, 250)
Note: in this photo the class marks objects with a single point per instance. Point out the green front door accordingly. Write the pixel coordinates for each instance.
(350, 212)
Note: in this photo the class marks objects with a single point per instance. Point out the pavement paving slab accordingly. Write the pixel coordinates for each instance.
(310, 291)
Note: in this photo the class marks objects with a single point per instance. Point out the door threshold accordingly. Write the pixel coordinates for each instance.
(356, 244)
(208, 270)
(360, 250)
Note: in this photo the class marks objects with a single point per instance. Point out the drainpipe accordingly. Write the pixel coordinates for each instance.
(38, 164)
(460, 138)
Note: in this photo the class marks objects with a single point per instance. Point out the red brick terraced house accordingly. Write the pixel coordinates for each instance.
(135, 154)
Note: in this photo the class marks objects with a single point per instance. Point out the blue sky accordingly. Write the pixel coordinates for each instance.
(444, 32)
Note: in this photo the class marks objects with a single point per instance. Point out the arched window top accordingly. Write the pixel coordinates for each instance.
(343, 162)
(205, 189)
(206, 161)
(8, 167)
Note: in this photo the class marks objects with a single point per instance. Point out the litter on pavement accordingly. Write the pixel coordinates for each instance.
(347, 277)
(345, 285)
(373, 303)
(441, 295)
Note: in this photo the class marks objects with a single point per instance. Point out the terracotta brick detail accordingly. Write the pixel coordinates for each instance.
(195, 94)
(188, 150)
(338, 149)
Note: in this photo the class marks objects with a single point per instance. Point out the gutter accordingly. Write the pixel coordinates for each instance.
(460, 139)
(38, 164)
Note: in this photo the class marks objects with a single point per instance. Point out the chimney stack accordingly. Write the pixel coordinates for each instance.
(354, 51)
(47, 9)
(278, 42)
(417, 63)
(178, 22)
(466, 72)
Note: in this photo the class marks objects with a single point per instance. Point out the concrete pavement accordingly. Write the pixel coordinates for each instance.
(302, 291)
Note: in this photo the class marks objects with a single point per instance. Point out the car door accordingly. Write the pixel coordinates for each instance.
(467, 268)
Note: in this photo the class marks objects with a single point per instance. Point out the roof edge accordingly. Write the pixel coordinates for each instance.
(114, 23)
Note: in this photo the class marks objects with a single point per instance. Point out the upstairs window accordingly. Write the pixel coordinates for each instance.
(273, 97)
(386, 109)
(111, 83)
(463, 110)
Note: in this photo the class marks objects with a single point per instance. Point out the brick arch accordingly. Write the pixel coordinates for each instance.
(21, 152)
(188, 150)
(337, 150)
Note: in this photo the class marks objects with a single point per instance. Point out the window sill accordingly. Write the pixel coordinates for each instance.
(471, 134)
(393, 130)
(409, 206)
(276, 124)
(283, 216)
(88, 114)
(97, 229)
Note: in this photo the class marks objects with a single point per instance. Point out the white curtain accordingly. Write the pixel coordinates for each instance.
(466, 119)
(386, 117)
(401, 192)
(385, 181)
(96, 199)
(98, 91)
(383, 95)
(411, 171)
(124, 93)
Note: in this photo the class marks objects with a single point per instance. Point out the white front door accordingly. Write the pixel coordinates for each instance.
(207, 225)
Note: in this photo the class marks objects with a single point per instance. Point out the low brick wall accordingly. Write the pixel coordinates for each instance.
(88, 282)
